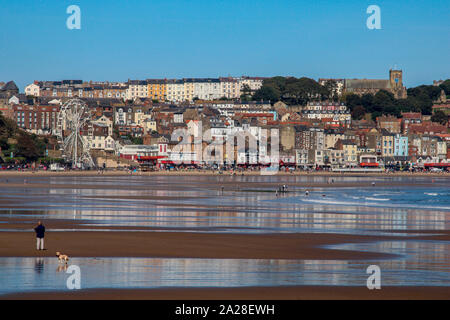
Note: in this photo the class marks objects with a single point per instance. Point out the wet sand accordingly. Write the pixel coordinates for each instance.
(245, 293)
(186, 245)
(119, 241)
(229, 184)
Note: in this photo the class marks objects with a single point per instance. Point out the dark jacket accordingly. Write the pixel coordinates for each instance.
(40, 230)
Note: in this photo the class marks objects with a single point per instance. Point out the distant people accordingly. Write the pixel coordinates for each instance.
(40, 231)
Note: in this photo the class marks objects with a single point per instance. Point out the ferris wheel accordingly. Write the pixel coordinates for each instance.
(74, 117)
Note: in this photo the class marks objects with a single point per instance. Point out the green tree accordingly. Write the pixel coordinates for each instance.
(440, 117)
(246, 93)
(291, 90)
(358, 112)
(267, 93)
(384, 102)
(352, 101)
(367, 102)
(27, 148)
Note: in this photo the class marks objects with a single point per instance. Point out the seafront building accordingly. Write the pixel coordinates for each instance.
(170, 90)
(136, 120)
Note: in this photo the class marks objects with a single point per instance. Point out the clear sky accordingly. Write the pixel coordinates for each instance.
(143, 39)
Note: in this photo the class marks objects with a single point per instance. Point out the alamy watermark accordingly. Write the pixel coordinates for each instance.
(374, 280)
(374, 20)
(74, 20)
(238, 147)
(74, 280)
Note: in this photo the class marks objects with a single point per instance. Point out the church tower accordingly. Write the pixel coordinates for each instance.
(396, 83)
(396, 79)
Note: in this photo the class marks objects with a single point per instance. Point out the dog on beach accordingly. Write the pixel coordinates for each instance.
(62, 258)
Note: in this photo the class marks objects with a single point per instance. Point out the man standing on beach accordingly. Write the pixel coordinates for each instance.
(40, 231)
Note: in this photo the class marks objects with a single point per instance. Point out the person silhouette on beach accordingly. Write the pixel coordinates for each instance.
(40, 231)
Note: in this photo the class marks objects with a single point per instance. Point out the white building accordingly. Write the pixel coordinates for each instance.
(105, 121)
(32, 90)
(324, 110)
(337, 85)
(255, 83)
(137, 89)
(133, 151)
(230, 88)
(207, 89)
(175, 91)
(123, 116)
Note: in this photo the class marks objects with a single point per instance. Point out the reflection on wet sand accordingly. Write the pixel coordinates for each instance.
(423, 264)
(246, 205)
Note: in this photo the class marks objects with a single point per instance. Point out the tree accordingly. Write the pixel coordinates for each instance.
(27, 148)
(267, 93)
(358, 112)
(135, 140)
(422, 97)
(440, 117)
(246, 93)
(367, 102)
(303, 90)
(382, 100)
(291, 90)
(352, 101)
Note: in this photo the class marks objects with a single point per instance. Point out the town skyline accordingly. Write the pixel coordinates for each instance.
(382, 75)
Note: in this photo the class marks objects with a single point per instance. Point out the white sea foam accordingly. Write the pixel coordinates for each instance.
(376, 202)
(377, 199)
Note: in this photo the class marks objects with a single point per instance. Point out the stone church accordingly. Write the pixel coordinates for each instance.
(362, 86)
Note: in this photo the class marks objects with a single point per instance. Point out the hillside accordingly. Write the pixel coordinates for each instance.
(19, 144)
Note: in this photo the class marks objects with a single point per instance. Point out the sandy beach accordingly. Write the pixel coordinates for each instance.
(212, 246)
(142, 242)
(185, 245)
(76, 236)
(245, 293)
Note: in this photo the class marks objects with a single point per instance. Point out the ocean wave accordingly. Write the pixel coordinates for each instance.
(431, 194)
(380, 203)
(377, 199)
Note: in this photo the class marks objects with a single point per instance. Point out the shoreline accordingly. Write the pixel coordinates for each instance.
(243, 293)
(113, 173)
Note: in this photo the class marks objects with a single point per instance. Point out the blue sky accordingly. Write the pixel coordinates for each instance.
(209, 38)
